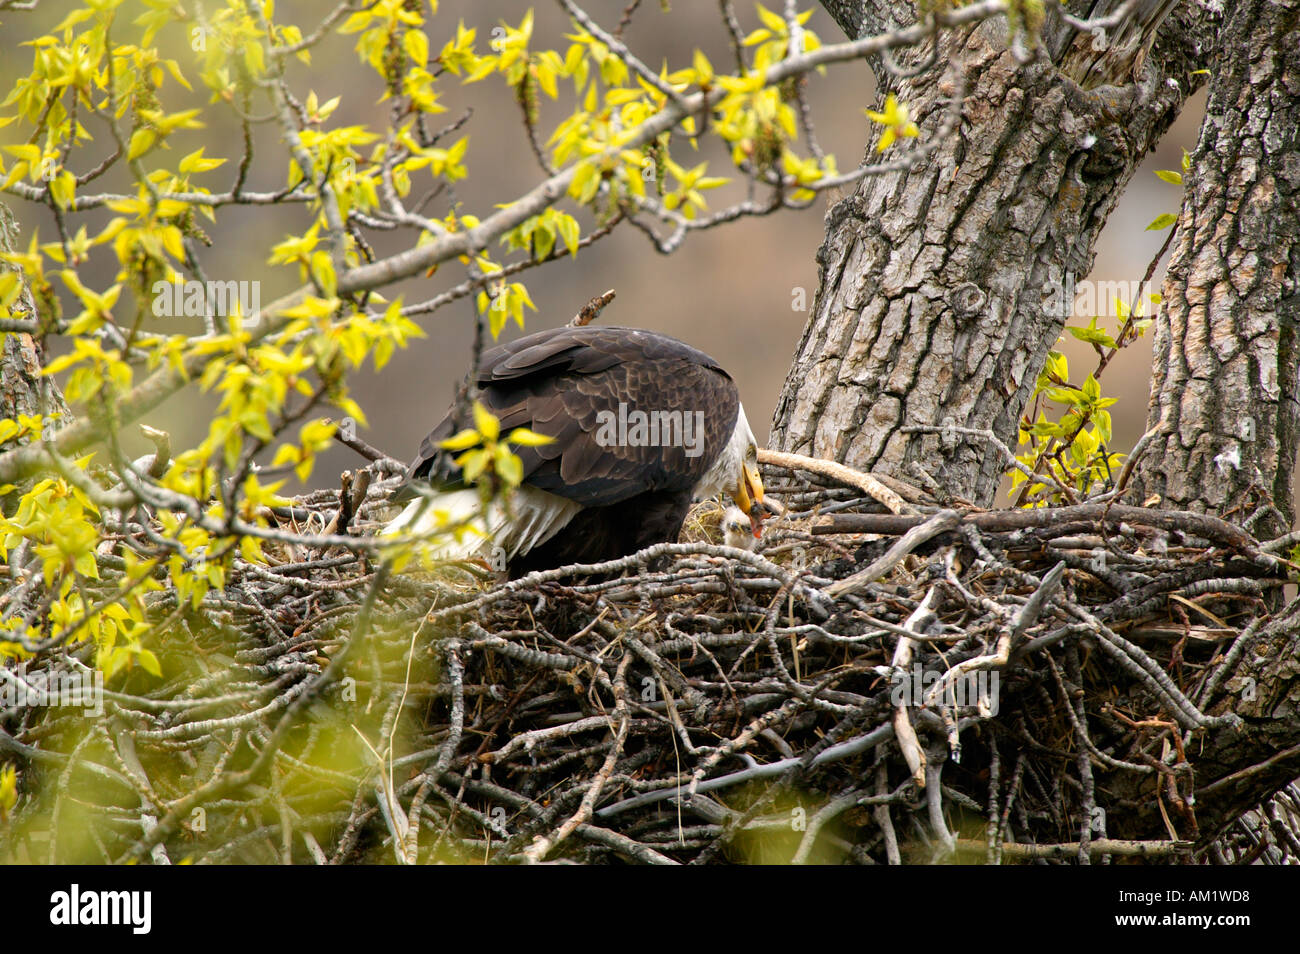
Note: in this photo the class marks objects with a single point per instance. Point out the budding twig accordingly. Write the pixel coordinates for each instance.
(591, 310)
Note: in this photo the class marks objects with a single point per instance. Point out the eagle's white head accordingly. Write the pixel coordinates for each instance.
(735, 472)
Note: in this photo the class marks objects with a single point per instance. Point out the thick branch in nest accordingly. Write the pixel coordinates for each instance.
(868, 484)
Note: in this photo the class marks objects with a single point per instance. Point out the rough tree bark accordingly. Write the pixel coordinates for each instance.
(941, 287)
(1225, 376)
(1224, 382)
(934, 305)
(22, 388)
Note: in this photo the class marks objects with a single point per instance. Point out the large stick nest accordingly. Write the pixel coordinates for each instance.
(865, 686)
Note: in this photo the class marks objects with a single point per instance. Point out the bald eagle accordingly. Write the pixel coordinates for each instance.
(642, 425)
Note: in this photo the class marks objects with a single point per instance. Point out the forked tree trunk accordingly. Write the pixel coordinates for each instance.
(931, 309)
(942, 287)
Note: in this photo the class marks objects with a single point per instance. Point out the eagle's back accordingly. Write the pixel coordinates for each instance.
(568, 383)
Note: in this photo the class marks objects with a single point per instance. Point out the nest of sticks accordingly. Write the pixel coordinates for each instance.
(864, 686)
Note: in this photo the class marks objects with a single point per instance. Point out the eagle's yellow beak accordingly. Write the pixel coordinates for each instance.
(749, 497)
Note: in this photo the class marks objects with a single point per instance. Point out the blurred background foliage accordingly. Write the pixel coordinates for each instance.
(728, 291)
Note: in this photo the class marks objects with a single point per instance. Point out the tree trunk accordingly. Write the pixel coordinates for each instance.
(935, 306)
(1224, 381)
(941, 287)
(1225, 378)
(23, 391)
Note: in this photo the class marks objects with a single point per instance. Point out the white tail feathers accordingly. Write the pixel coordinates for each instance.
(493, 533)
(425, 516)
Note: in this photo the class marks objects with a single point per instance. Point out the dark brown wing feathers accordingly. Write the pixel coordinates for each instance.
(557, 382)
